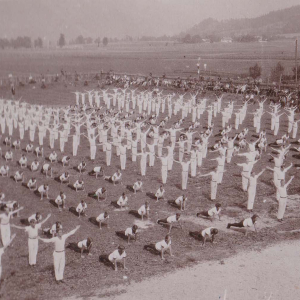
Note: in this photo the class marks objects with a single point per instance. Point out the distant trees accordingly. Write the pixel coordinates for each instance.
(38, 43)
(62, 40)
(98, 41)
(20, 42)
(277, 72)
(246, 38)
(105, 41)
(255, 71)
(188, 39)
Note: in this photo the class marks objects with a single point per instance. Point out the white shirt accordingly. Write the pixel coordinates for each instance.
(101, 217)
(81, 207)
(116, 255)
(82, 243)
(214, 211)
(207, 232)
(172, 219)
(162, 245)
(142, 210)
(122, 201)
(128, 231)
(33, 232)
(248, 222)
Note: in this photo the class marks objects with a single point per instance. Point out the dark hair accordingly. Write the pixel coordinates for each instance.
(134, 228)
(214, 231)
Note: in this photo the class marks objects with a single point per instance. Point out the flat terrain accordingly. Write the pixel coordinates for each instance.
(85, 276)
(157, 57)
(260, 275)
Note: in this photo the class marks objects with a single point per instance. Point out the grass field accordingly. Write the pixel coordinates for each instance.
(155, 57)
(86, 277)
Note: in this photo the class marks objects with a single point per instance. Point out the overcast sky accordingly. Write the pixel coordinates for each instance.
(117, 18)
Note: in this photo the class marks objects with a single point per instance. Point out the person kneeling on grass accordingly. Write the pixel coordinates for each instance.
(81, 208)
(100, 193)
(19, 176)
(170, 220)
(209, 232)
(45, 169)
(81, 167)
(64, 178)
(122, 201)
(144, 210)
(137, 186)
(102, 218)
(32, 184)
(180, 202)
(249, 222)
(4, 170)
(97, 171)
(131, 232)
(116, 178)
(160, 193)
(29, 148)
(161, 246)
(34, 166)
(53, 157)
(65, 160)
(114, 257)
(61, 201)
(78, 185)
(23, 161)
(44, 190)
(85, 245)
(212, 213)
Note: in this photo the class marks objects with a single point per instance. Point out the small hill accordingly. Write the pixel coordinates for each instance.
(283, 21)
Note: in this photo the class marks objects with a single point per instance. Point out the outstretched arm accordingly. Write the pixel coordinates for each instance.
(44, 221)
(72, 231)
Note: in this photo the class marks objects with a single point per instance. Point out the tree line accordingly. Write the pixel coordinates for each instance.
(21, 42)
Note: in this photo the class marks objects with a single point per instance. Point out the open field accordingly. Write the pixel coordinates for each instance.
(249, 275)
(84, 277)
(156, 57)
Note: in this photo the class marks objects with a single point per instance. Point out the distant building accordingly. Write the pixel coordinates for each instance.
(206, 40)
(226, 40)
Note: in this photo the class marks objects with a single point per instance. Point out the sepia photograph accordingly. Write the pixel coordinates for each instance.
(149, 150)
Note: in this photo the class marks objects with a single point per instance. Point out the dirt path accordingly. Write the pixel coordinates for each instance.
(273, 272)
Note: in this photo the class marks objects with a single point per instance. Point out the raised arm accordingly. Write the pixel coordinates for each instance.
(289, 182)
(72, 231)
(44, 221)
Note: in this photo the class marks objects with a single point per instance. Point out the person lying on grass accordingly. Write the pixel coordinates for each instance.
(169, 221)
(212, 213)
(115, 257)
(249, 222)
(161, 247)
(209, 232)
(103, 217)
(180, 202)
(116, 178)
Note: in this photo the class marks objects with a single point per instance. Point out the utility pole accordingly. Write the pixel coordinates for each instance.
(296, 64)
